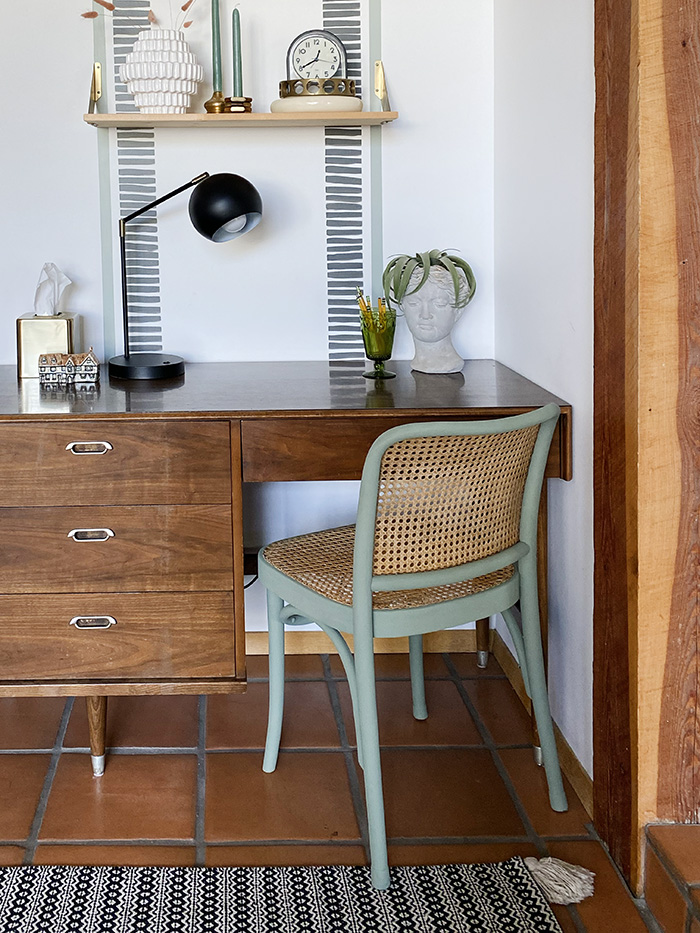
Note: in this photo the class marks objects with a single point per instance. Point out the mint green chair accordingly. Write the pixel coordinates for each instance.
(446, 533)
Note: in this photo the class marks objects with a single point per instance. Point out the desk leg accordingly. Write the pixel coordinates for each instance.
(543, 603)
(482, 642)
(97, 723)
(238, 554)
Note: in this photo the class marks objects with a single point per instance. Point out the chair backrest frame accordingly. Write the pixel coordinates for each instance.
(365, 581)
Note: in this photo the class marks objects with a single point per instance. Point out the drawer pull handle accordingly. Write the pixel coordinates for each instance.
(81, 448)
(91, 534)
(92, 621)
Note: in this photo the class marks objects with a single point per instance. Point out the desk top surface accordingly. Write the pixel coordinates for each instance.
(286, 389)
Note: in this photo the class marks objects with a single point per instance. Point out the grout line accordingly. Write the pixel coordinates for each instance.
(284, 843)
(326, 749)
(201, 782)
(135, 750)
(33, 837)
(129, 843)
(353, 778)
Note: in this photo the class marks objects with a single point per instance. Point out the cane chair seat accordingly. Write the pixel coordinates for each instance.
(322, 561)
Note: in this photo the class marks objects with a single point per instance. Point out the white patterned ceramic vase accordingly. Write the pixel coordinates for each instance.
(161, 72)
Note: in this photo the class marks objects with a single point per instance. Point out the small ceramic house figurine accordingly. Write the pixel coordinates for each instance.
(69, 369)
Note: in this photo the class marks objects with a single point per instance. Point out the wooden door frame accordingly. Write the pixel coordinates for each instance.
(612, 757)
(646, 442)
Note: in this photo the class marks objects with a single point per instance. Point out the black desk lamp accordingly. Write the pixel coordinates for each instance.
(222, 207)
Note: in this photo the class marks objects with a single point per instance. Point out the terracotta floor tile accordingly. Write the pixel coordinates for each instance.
(500, 710)
(142, 722)
(11, 855)
(114, 855)
(285, 855)
(564, 919)
(695, 898)
(307, 797)
(138, 797)
(448, 722)
(240, 720)
(21, 780)
(663, 898)
(611, 907)
(680, 845)
(446, 792)
(465, 665)
(30, 722)
(296, 666)
(694, 926)
(531, 786)
(458, 854)
(396, 667)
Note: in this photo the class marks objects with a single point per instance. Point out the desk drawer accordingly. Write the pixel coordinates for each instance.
(178, 635)
(115, 463)
(287, 449)
(116, 549)
(309, 449)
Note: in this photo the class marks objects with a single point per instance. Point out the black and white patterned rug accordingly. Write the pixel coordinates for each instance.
(483, 898)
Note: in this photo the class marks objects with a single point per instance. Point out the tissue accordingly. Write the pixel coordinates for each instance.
(49, 290)
(46, 330)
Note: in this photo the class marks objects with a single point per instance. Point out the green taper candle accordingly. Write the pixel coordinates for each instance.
(237, 68)
(216, 45)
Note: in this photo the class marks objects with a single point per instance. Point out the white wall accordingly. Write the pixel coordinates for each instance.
(48, 164)
(544, 294)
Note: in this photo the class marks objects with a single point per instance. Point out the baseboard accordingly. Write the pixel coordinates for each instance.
(320, 643)
(580, 780)
(436, 643)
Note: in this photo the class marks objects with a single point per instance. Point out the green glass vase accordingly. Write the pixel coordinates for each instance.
(378, 328)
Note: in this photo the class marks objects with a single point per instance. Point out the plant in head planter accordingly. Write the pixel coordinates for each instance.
(432, 289)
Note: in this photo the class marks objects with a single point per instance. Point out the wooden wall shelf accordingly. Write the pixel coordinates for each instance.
(127, 120)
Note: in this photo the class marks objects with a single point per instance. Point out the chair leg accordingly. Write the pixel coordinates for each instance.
(482, 642)
(345, 655)
(276, 682)
(369, 733)
(538, 686)
(415, 658)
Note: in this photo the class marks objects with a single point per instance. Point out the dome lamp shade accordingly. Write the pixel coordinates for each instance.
(225, 206)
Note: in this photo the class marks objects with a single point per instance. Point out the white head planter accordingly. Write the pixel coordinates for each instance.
(432, 289)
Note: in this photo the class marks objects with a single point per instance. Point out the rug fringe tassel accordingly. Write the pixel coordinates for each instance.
(561, 882)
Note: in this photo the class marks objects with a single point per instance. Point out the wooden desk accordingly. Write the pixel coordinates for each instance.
(121, 508)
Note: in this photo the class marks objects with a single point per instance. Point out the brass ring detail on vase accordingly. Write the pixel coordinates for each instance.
(317, 87)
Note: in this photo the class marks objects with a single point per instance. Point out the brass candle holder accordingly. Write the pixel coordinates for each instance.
(238, 105)
(216, 103)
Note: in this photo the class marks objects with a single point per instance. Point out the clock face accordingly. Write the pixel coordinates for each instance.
(317, 55)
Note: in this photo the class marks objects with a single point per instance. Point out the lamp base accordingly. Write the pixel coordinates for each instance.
(146, 366)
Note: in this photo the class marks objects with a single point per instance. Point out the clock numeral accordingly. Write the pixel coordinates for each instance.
(317, 41)
(308, 44)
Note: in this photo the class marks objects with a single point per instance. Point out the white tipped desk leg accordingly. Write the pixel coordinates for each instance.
(97, 721)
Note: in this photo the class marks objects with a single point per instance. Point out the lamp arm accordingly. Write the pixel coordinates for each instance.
(166, 197)
(122, 247)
